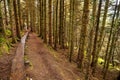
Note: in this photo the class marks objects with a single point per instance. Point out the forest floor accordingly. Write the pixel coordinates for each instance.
(46, 63)
(6, 62)
(47, 66)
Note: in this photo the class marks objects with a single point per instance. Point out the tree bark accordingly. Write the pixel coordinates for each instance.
(94, 63)
(11, 21)
(83, 35)
(61, 25)
(72, 2)
(16, 20)
(50, 21)
(56, 28)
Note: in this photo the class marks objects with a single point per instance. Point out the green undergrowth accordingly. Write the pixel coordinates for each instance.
(111, 67)
(5, 43)
(100, 60)
(22, 33)
(8, 33)
(4, 46)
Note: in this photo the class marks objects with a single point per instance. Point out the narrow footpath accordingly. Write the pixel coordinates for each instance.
(44, 66)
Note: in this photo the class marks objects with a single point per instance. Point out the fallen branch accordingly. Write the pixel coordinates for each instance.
(17, 69)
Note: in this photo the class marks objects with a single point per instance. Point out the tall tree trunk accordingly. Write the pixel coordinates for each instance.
(5, 7)
(11, 21)
(50, 21)
(40, 14)
(83, 35)
(94, 63)
(16, 20)
(45, 26)
(41, 18)
(53, 23)
(19, 14)
(90, 42)
(31, 14)
(56, 28)
(61, 25)
(2, 29)
(72, 2)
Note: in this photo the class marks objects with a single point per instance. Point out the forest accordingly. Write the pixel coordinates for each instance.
(59, 39)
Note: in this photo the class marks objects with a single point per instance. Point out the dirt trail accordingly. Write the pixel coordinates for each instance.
(44, 64)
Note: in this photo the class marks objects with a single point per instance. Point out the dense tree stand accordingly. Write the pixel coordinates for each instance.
(69, 39)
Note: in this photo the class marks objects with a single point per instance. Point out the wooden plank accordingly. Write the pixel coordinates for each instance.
(17, 69)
